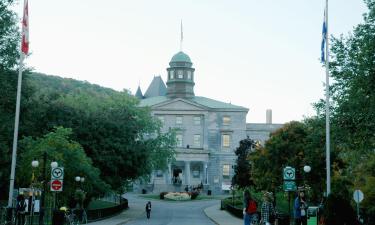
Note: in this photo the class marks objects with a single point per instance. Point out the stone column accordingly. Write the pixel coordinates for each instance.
(187, 172)
(170, 175)
(205, 170)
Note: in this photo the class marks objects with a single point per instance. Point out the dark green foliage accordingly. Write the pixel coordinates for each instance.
(68, 153)
(338, 211)
(242, 169)
(194, 195)
(9, 36)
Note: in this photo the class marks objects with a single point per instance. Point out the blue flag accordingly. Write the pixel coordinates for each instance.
(324, 40)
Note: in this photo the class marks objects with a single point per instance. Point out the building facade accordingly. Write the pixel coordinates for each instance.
(207, 131)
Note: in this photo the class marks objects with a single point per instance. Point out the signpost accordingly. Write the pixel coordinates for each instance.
(358, 197)
(57, 178)
(289, 176)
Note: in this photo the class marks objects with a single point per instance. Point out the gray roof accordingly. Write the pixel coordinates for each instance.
(139, 94)
(156, 88)
(206, 102)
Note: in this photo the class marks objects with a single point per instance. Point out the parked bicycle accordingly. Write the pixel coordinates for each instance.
(70, 217)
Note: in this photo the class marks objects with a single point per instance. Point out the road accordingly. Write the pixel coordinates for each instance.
(175, 213)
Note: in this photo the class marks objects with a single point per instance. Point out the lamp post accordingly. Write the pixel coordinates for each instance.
(54, 164)
(34, 164)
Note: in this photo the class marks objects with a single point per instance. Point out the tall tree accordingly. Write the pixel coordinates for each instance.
(242, 169)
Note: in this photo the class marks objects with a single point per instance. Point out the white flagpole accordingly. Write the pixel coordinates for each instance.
(328, 152)
(182, 37)
(15, 134)
(23, 52)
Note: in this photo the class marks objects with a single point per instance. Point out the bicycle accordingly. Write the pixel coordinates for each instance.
(71, 218)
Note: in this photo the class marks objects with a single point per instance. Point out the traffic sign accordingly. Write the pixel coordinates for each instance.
(57, 173)
(290, 186)
(289, 173)
(358, 196)
(56, 185)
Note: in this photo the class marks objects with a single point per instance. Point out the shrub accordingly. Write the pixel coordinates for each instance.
(162, 194)
(194, 194)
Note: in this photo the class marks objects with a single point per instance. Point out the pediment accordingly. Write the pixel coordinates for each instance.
(180, 105)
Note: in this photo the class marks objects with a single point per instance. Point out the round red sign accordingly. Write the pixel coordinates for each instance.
(56, 185)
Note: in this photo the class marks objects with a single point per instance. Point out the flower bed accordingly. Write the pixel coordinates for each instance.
(177, 196)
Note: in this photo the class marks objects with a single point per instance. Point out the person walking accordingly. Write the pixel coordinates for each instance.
(300, 209)
(268, 213)
(249, 208)
(148, 209)
(21, 209)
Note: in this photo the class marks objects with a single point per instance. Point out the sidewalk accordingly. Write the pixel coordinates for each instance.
(221, 217)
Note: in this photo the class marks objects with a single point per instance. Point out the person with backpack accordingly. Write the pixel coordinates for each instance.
(21, 209)
(249, 209)
(268, 213)
(148, 209)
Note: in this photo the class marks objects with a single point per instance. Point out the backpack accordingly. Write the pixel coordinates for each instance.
(251, 207)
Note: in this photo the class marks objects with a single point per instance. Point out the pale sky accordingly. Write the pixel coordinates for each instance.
(257, 54)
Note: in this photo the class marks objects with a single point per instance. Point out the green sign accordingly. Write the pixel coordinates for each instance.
(289, 173)
(290, 186)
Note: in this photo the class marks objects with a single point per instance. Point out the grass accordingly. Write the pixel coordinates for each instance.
(99, 204)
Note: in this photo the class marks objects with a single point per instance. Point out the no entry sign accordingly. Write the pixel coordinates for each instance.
(56, 185)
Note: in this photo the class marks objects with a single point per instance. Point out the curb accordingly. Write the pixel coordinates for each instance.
(209, 216)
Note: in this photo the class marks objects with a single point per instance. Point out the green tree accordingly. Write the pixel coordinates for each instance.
(9, 36)
(59, 147)
(242, 169)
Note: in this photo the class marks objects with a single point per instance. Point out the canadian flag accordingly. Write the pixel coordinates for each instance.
(25, 29)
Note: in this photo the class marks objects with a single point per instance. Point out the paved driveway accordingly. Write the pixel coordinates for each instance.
(176, 213)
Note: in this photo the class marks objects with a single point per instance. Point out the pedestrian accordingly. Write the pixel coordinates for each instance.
(249, 208)
(300, 209)
(268, 213)
(148, 209)
(21, 209)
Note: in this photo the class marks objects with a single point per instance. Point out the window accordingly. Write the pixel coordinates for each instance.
(226, 120)
(179, 140)
(161, 118)
(171, 74)
(197, 120)
(159, 173)
(197, 140)
(225, 139)
(196, 173)
(189, 75)
(180, 74)
(226, 169)
(178, 119)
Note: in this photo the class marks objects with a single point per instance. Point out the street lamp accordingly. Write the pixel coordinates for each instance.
(307, 169)
(77, 178)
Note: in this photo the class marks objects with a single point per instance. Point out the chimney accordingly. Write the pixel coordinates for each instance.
(269, 116)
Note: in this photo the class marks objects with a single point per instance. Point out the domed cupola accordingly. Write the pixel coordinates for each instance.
(180, 77)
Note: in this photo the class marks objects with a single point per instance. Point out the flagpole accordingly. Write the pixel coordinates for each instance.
(23, 52)
(182, 37)
(328, 152)
(15, 134)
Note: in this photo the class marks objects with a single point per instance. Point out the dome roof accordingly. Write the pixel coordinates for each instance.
(181, 57)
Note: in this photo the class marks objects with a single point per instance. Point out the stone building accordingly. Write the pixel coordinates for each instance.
(208, 131)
